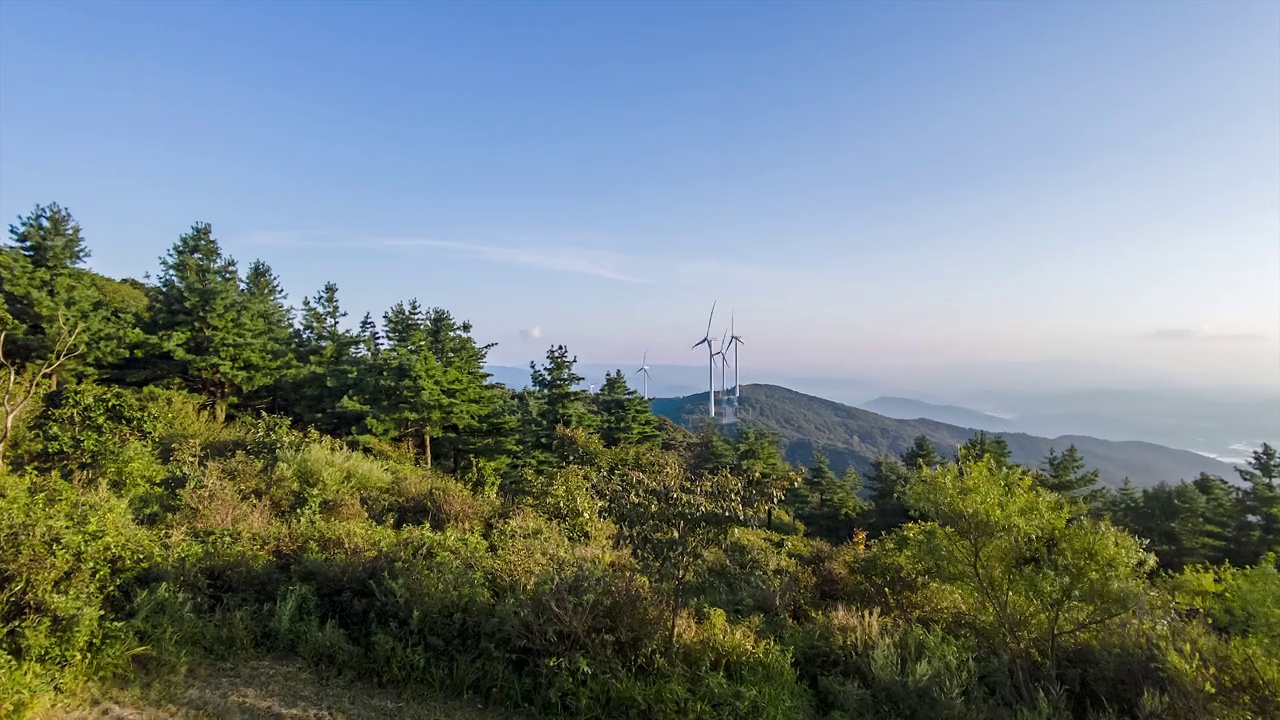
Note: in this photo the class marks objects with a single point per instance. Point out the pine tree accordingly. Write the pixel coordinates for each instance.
(1127, 505)
(203, 323)
(561, 403)
(50, 238)
(829, 505)
(1262, 501)
(370, 340)
(710, 451)
(625, 417)
(271, 348)
(407, 401)
(470, 422)
(329, 366)
(990, 448)
(765, 472)
(1065, 473)
(1223, 514)
(887, 511)
(921, 454)
(45, 291)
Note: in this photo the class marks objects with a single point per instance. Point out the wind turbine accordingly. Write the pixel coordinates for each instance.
(724, 361)
(734, 342)
(711, 363)
(644, 369)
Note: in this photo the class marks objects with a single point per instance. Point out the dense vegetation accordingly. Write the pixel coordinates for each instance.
(192, 471)
(855, 437)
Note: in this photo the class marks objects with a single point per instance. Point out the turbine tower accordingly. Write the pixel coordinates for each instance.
(724, 361)
(734, 342)
(711, 363)
(644, 370)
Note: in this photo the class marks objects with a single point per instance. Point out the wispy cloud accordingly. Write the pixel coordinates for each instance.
(571, 260)
(1194, 334)
(532, 333)
(566, 259)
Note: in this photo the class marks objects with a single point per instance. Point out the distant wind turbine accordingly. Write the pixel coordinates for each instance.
(734, 342)
(724, 361)
(711, 363)
(644, 371)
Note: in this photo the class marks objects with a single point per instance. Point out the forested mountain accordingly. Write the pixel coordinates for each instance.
(855, 437)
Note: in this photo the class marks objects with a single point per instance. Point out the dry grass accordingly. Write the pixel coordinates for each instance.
(262, 689)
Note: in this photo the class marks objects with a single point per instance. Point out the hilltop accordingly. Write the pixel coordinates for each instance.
(853, 436)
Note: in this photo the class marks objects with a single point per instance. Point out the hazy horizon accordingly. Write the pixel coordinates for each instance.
(1082, 195)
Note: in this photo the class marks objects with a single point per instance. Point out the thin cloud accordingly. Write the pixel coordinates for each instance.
(569, 260)
(564, 258)
(532, 333)
(1190, 334)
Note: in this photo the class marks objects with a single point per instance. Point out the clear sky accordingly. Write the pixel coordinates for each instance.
(867, 186)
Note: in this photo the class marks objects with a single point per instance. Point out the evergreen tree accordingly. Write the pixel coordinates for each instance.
(329, 366)
(407, 402)
(46, 294)
(271, 346)
(429, 389)
(989, 448)
(370, 340)
(921, 454)
(470, 423)
(1262, 501)
(710, 451)
(887, 511)
(561, 404)
(766, 474)
(1127, 505)
(1223, 515)
(625, 417)
(49, 238)
(204, 325)
(829, 505)
(1065, 473)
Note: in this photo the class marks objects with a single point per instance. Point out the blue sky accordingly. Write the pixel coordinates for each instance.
(867, 186)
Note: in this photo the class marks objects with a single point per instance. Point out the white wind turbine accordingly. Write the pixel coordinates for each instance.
(711, 363)
(724, 362)
(644, 370)
(734, 342)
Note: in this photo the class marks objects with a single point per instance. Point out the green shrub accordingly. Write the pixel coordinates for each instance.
(69, 562)
(759, 572)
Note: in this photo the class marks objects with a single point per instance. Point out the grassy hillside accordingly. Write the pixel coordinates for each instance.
(852, 436)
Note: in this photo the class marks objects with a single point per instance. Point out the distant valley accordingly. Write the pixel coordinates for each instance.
(852, 436)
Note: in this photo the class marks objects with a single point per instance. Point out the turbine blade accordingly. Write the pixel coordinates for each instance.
(711, 317)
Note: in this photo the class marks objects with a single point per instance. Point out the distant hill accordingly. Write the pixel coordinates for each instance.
(909, 409)
(853, 436)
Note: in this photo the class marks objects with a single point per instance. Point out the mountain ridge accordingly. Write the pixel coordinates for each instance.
(852, 436)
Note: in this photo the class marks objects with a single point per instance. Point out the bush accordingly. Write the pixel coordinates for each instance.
(68, 567)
